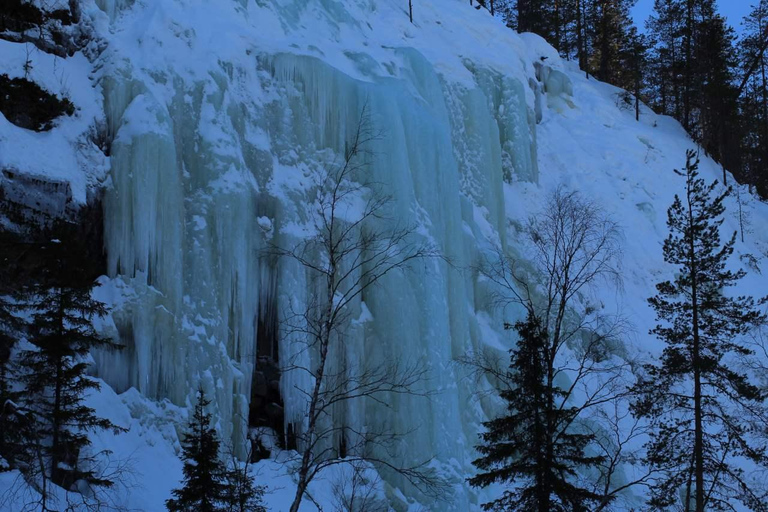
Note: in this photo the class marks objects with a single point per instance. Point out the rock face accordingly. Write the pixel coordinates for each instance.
(26, 105)
(53, 27)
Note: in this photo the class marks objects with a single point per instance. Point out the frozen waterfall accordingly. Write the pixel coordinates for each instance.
(210, 163)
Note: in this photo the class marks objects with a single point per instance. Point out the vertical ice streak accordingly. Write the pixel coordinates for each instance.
(208, 168)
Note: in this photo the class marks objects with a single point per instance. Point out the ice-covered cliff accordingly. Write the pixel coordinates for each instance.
(219, 113)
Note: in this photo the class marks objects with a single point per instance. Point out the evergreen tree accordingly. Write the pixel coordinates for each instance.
(240, 493)
(753, 98)
(534, 446)
(54, 377)
(204, 475)
(536, 16)
(10, 421)
(698, 404)
(716, 96)
(633, 60)
(693, 74)
(665, 27)
(595, 32)
(554, 20)
(609, 26)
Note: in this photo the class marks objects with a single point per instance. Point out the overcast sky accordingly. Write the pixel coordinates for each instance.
(734, 10)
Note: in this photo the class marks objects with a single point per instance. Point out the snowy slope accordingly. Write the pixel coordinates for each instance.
(221, 112)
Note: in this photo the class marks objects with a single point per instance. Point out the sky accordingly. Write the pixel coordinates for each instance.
(734, 10)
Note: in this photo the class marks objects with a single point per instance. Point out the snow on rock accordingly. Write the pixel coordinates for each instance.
(219, 114)
(65, 154)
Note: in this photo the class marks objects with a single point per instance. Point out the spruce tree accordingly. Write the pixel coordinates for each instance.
(10, 422)
(204, 474)
(240, 493)
(699, 404)
(533, 445)
(633, 60)
(716, 96)
(693, 75)
(753, 98)
(665, 27)
(54, 378)
(610, 27)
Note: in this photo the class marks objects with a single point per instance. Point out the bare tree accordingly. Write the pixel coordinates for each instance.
(618, 439)
(573, 246)
(743, 211)
(356, 490)
(350, 252)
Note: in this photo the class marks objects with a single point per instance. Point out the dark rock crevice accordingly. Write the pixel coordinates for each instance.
(54, 31)
(27, 105)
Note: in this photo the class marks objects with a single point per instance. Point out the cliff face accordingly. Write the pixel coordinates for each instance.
(207, 125)
(226, 128)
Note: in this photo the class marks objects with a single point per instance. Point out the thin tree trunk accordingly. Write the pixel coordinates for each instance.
(637, 84)
(579, 35)
(3, 381)
(698, 446)
(306, 456)
(764, 100)
(56, 413)
(605, 42)
(688, 485)
(741, 213)
(688, 66)
(324, 343)
(586, 39)
(663, 87)
(546, 491)
(558, 46)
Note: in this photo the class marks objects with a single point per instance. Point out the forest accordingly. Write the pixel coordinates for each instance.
(687, 62)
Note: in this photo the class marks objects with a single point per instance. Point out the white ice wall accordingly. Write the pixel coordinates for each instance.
(216, 125)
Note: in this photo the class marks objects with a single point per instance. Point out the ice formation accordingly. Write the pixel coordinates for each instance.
(219, 115)
(201, 154)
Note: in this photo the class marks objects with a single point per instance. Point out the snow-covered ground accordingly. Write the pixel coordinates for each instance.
(221, 112)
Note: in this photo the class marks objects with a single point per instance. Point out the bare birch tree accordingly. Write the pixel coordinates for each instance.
(349, 254)
(573, 247)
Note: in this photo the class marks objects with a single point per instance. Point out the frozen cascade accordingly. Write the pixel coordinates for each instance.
(199, 157)
(207, 123)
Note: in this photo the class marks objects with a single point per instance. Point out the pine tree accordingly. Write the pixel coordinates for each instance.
(716, 103)
(204, 474)
(533, 446)
(610, 27)
(665, 27)
(633, 60)
(693, 75)
(10, 422)
(698, 404)
(753, 98)
(535, 16)
(54, 377)
(240, 493)
(554, 20)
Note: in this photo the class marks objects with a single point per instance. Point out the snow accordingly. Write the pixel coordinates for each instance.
(223, 113)
(67, 148)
